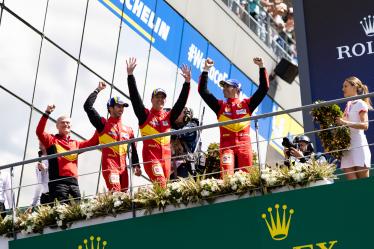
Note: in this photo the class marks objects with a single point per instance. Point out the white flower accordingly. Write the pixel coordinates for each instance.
(232, 181)
(298, 177)
(271, 181)
(117, 203)
(89, 215)
(167, 193)
(205, 193)
(175, 186)
(234, 187)
(59, 223)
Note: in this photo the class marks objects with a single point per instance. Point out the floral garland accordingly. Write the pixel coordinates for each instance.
(182, 191)
(334, 140)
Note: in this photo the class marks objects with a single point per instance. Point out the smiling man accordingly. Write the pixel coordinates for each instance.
(156, 152)
(112, 130)
(235, 142)
(63, 171)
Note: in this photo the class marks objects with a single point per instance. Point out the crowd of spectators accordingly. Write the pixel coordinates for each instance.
(272, 21)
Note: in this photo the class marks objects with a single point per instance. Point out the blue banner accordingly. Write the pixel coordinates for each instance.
(167, 31)
(155, 21)
(220, 71)
(247, 84)
(194, 50)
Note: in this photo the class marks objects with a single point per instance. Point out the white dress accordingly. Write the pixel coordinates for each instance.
(359, 153)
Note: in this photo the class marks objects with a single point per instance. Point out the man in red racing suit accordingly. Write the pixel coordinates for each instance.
(235, 142)
(156, 152)
(62, 170)
(112, 130)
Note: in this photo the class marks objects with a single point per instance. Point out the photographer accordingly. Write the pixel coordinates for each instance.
(185, 145)
(301, 150)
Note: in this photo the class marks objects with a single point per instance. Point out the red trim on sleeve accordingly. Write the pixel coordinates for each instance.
(362, 110)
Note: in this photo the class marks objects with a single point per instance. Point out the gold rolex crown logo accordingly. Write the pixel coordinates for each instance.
(92, 244)
(279, 226)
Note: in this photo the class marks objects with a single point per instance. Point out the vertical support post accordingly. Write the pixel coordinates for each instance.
(258, 145)
(259, 157)
(129, 171)
(13, 204)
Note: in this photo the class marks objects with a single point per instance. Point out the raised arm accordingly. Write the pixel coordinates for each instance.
(207, 96)
(135, 98)
(45, 138)
(92, 114)
(94, 140)
(263, 88)
(183, 96)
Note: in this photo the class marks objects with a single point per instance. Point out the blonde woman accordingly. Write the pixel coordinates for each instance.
(356, 161)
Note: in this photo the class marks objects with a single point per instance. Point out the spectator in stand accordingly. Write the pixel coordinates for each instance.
(235, 142)
(41, 194)
(244, 12)
(156, 152)
(63, 170)
(278, 15)
(289, 26)
(254, 8)
(356, 161)
(5, 192)
(112, 130)
(267, 5)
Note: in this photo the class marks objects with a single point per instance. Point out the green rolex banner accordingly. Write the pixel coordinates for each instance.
(333, 216)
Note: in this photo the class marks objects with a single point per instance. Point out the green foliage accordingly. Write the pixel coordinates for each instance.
(334, 139)
(183, 191)
(212, 162)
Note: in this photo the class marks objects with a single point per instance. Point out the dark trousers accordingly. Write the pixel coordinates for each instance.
(2, 210)
(63, 191)
(45, 198)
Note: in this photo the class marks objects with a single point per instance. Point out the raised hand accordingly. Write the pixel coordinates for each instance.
(258, 61)
(131, 65)
(340, 121)
(208, 64)
(186, 73)
(101, 86)
(41, 166)
(50, 108)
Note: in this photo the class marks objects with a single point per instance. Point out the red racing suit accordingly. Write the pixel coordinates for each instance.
(235, 142)
(63, 169)
(113, 158)
(156, 152)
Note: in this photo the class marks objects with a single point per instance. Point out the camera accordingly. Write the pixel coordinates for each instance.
(288, 145)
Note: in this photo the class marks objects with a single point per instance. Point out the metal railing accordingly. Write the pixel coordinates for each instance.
(178, 132)
(199, 128)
